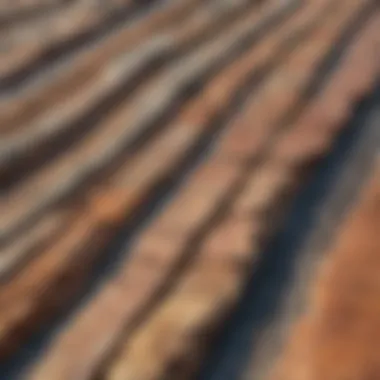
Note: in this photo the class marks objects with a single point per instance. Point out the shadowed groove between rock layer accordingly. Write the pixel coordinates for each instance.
(260, 317)
(289, 83)
(17, 168)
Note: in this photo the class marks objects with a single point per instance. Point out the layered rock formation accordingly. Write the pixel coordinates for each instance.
(148, 152)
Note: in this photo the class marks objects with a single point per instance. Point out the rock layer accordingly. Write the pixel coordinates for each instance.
(338, 338)
(185, 125)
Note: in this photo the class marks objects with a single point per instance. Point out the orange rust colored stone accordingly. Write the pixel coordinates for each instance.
(339, 336)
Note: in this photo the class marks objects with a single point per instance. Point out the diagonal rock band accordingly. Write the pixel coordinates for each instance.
(148, 151)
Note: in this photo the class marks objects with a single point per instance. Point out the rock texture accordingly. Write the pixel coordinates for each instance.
(338, 338)
(148, 150)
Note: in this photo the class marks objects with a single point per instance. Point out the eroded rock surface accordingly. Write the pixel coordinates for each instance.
(148, 151)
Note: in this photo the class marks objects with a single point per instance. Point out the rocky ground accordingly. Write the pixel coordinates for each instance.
(174, 175)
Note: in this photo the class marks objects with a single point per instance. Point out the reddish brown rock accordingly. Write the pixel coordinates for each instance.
(226, 100)
(339, 336)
